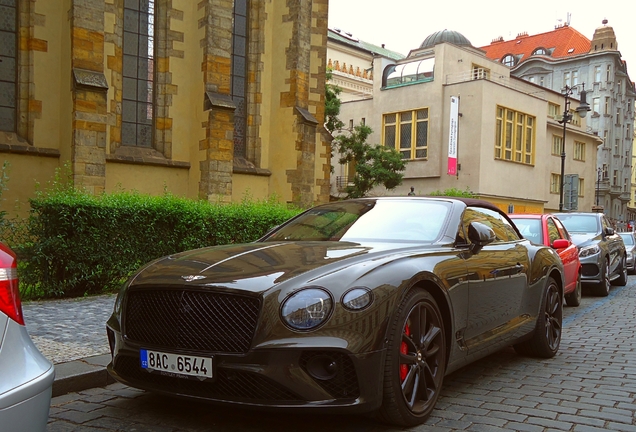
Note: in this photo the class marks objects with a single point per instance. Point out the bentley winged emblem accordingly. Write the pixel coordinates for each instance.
(191, 278)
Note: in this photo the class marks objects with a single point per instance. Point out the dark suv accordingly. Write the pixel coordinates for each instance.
(601, 250)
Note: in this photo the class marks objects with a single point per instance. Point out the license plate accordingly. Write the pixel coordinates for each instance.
(176, 363)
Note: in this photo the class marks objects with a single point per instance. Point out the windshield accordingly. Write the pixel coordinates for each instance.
(580, 223)
(628, 238)
(530, 229)
(390, 220)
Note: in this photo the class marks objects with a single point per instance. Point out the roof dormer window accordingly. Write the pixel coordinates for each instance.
(508, 60)
(540, 51)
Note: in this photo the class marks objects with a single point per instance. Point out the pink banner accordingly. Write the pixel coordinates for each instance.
(452, 136)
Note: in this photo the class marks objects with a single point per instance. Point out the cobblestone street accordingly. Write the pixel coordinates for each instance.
(589, 386)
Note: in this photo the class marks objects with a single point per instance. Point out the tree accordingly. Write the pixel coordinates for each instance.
(374, 164)
(332, 105)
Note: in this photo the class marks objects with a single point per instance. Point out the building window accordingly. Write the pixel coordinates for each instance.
(138, 73)
(409, 73)
(8, 64)
(608, 73)
(557, 145)
(607, 106)
(566, 79)
(615, 179)
(629, 105)
(542, 81)
(239, 77)
(597, 74)
(616, 145)
(532, 79)
(540, 51)
(575, 77)
(579, 151)
(555, 183)
(618, 116)
(619, 84)
(581, 187)
(514, 136)
(508, 60)
(628, 131)
(554, 110)
(596, 105)
(408, 133)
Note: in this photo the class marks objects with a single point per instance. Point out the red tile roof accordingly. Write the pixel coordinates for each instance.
(564, 41)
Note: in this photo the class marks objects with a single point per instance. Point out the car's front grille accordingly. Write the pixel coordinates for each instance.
(344, 383)
(229, 385)
(196, 320)
(589, 270)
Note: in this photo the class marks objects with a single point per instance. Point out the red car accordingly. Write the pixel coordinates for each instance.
(547, 229)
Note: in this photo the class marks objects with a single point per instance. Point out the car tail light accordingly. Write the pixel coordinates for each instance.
(9, 291)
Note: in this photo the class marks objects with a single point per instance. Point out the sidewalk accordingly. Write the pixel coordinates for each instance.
(72, 334)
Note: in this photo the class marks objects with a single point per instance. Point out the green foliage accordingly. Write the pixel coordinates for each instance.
(454, 192)
(90, 244)
(374, 165)
(4, 179)
(332, 105)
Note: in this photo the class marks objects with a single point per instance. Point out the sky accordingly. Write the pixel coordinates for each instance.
(402, 25)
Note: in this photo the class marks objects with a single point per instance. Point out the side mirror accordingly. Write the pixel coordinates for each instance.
(560, 244)
(609, 231)
(480, 235)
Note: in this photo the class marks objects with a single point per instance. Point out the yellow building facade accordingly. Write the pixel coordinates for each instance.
(206, 99)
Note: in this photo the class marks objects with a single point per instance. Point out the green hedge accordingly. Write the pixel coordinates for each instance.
(90, 244)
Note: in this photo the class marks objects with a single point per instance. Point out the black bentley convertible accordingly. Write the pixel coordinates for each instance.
(361, 305)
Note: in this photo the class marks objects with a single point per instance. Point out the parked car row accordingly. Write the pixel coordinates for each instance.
(362, 305)
(586, 242)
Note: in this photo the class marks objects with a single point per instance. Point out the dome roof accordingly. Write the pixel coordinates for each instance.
(449, 36)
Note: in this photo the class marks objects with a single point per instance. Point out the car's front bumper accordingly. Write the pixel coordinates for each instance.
(283, 377)
(591, 269)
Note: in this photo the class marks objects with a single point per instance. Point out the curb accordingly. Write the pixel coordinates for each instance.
(78, 375)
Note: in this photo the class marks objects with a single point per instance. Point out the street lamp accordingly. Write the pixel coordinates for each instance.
(598, 185)
(582, 110)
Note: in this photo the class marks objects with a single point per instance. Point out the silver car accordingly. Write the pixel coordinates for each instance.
(601, 250)
(26, 376)
(630, 247)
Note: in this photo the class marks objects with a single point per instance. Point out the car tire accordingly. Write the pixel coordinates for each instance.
(573, 299)
(622, 278)
(546, 337)
(602, 288)
(415, 361)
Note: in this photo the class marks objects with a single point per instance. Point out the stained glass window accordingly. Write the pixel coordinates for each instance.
(138, 73)
(8, 64)
(239, 76)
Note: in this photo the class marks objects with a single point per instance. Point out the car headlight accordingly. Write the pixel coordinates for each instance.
(357, 299)
(629, 255)
(307, 309)
(590, 250)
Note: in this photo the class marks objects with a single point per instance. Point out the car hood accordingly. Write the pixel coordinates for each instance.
(585, 239)
(256, 267)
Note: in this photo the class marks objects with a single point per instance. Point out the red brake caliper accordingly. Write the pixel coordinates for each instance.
(403, 349)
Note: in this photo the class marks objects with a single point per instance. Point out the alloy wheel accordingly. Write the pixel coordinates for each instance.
(421, 357)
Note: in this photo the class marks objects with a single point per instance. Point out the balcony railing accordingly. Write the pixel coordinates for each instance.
(342, 182)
